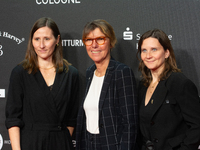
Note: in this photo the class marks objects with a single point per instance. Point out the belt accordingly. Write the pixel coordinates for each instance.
(44, 127)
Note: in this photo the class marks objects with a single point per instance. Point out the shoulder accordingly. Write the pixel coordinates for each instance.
(122, 70)
(178, 82)
(18, 69)
(72, 72)
(121, 66)
(118, 66)
(177, 78)
(72, 69)
(18, 73)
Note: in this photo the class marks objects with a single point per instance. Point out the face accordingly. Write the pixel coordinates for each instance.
(153, 54)
(98, 53)
(44, 43)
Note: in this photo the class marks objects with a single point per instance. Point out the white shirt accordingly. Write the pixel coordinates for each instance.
(91, 105)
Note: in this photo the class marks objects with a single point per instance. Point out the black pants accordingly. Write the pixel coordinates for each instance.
(93, 141)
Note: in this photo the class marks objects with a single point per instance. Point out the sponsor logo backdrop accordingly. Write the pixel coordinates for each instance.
(129, 18)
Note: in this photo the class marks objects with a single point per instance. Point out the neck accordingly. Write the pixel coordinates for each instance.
(156, 73)
(45, 63)
(155, 78)
(101, 68)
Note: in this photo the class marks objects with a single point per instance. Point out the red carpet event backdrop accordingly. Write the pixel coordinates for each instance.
(130, 19)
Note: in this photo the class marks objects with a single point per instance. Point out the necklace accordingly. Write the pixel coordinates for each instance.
(46, 68)
(152, 87)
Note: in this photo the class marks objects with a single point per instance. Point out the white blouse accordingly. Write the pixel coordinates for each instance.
(91, 105)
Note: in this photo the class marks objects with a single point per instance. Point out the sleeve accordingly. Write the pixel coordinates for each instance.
(189, 103)
(128, 104)
(74, 101)
(14, 104)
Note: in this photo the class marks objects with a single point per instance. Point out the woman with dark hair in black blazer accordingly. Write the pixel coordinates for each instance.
(169, 103)
(107, 119)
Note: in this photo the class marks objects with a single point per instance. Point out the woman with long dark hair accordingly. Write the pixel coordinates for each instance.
(169, 105)
(42, 99)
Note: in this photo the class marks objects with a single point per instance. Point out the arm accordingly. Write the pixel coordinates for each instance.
(189, 103)
(14, 109)
(126, 89)
(14, 134)
(74, 101)
(71, 130)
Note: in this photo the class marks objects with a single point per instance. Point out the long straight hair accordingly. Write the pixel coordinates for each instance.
(30, 62)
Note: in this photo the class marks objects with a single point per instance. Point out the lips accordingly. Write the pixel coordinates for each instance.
(150, 61)
(96, 52)
(42, 51)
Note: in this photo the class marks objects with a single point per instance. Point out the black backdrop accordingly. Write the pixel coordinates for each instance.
(129, 18)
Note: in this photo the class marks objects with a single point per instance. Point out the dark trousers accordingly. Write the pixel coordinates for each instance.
(93, 141)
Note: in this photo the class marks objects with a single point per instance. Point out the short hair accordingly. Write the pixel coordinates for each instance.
(170, 62)
(105, 28)
(30, 62)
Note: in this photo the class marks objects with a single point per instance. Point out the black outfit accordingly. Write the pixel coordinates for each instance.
(93, 141)
(43, 114)
(171, 119)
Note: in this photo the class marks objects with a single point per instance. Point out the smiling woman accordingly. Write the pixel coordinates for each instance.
(109, 107)
(98, 52)
(168, 101)
(153, 55)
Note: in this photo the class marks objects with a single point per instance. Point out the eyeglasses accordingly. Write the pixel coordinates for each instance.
(98, 40)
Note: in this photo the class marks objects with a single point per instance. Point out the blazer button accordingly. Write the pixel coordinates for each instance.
(59, 127)
(152, 123)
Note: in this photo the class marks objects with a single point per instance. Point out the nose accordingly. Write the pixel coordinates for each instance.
(42, 45)
(148, 54)
(94, 43)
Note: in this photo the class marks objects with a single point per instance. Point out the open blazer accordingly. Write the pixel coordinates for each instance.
(118, 115)
(43, 115)
(175, 117)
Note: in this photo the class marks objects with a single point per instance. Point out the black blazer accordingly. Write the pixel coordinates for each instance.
(41, 114)
(174, 122)
(118, 116)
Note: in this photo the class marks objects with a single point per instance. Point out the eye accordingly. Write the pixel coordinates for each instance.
(47, 39)
(143, 50)
(154, 49)
(36, 39)
(88, 40)
(100, 38)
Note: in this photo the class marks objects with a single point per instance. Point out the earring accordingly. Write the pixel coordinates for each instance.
(57, 44)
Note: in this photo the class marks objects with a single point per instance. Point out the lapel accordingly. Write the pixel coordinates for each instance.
(59, 81)
(106, 83)
(89, 76)
(50, 95)
(158, 97)
(141, 92)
